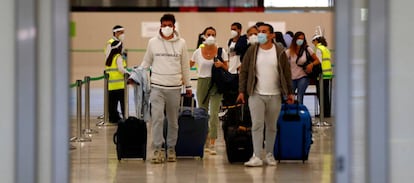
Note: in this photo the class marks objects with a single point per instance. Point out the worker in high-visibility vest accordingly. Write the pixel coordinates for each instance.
(115, 66)
(118, 34)
(323, 53)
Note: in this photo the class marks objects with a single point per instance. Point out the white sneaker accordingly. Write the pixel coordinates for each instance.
(253, 162)
(171, 157)
(212, 150)
(206, 148)
(222, 113)
(158, 156)
(270, 159)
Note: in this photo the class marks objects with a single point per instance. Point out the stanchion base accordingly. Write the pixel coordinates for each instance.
(102, 123)
(83, 139)
(90, 131)
(322, 124)
(100, 117)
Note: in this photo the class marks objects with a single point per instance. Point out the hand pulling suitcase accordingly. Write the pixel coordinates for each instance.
(237, 133)
(131, 139)
(192, 130)
(187, 100)
(294, 133)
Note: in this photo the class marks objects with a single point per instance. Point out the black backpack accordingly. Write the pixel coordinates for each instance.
(223, 79)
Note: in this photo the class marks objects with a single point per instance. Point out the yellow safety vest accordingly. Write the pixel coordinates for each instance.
(116, 78)
(326, 62)
(110, 41)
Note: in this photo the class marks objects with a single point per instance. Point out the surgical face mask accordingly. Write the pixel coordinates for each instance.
(234, 33)
(262, 38)
(299, 42)
(253, 39)
(167, 31)
(121, 37)
(210, 40)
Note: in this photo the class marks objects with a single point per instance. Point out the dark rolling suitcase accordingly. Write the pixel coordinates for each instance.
(131, 139)
(294, 133)
(237, 133)
(192, 130)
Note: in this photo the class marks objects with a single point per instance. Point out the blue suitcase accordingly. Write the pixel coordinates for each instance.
(294, 133)
(192, 131)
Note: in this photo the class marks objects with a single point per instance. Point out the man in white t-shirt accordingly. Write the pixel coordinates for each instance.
(265, 77)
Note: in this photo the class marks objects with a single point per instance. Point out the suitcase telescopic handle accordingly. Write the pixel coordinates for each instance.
(182, 103)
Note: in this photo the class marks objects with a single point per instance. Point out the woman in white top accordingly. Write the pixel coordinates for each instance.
(204, 57)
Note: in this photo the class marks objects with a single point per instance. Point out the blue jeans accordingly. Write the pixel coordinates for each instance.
(301, 84)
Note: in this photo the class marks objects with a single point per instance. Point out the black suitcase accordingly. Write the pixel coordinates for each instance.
(131, 139)
(192, 130)
(237, 133)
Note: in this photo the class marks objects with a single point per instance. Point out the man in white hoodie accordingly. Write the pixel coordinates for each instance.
(170, 71)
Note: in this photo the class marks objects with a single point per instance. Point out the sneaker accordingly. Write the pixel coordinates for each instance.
(212, 150)
(171, 157)
(222, 113)
(270, 159)
(253, 162)
(158, 156)
(206, 148)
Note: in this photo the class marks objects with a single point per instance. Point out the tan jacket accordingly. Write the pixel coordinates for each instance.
(247, 77)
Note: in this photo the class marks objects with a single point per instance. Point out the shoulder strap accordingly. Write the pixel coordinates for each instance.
(219, 53)
(300, 54)
(218, 56)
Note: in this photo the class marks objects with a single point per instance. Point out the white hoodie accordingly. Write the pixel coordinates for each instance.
(169, 62)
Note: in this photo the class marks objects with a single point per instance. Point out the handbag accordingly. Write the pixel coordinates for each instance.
(316, 69)
(220, 77)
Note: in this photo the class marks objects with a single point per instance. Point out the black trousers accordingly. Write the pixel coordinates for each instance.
(115, 97)
(326, 96)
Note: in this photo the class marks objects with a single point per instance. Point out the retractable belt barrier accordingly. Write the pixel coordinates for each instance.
(81, 133)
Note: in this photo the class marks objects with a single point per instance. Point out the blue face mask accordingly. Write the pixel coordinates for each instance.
(299, 42)
(262, 38)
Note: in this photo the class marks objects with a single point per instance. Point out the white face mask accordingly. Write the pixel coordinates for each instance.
(121, 37)
(210, 40)
(234, 33)
(167, 31)
(253, 39)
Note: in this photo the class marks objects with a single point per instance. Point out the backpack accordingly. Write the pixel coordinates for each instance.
(317, 69)
(223, 79)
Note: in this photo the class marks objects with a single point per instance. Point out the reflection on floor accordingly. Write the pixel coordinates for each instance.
(96, 162)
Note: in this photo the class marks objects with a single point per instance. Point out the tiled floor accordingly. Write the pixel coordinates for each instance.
(96, 162)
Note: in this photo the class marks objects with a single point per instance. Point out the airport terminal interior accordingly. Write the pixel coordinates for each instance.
(54, 49)
(95, 161)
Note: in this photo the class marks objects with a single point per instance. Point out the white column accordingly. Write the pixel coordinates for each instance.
(7, 92)
(343, 113)
(35, 91)
(400, 41)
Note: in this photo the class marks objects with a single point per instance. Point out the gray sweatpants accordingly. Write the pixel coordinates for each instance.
(168, 99)
(264, 110)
